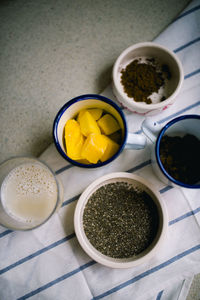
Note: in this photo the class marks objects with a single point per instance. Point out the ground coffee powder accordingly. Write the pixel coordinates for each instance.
(180, 157)
(141, 79)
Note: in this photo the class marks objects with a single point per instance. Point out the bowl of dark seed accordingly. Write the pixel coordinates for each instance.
(120, 220)
(147, 78)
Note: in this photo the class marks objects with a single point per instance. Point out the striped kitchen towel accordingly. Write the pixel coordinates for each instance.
(48, 262)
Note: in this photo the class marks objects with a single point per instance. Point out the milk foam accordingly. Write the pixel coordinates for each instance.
(29, 193)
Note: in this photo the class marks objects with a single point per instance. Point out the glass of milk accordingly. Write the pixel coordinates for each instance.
(29, 193)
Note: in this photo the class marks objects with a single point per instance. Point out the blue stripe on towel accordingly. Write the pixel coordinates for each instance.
(192, 74)
(187, 45)
(188, 214)
(45, 249)
(70, 200)
(63, 169)
(165, 189)
(185, 109)
(179, 112)
(118, 287)
(5, 233)
(148, 272)
(57, 280)
(159, 295)
(140, 166)
(188, 12)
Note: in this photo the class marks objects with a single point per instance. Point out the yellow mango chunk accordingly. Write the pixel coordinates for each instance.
(74, 152)
(111, 149)
(95, 112)
(80, 114)
(94, 147)
(72, 131)
(73, 139)
(108, 124)
(88, 124)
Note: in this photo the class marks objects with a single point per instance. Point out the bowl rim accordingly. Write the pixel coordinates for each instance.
(82, 98)
(95, 254)
(141, 105)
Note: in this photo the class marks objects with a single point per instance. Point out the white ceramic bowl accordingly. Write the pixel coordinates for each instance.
(136, 182)
(164, 57)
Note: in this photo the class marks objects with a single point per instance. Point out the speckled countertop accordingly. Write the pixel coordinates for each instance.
(52, 51)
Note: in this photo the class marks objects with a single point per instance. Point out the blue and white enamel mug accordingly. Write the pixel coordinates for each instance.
(179, 127)
(71, 109)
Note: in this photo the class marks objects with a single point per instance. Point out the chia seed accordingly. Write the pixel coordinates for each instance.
(119, 220)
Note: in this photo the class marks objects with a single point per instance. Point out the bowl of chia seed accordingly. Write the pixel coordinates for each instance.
(120, 220)
(147, 78)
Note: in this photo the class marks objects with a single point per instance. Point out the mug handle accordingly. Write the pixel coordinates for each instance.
(151, 129)
(138, 141)
(135, 141)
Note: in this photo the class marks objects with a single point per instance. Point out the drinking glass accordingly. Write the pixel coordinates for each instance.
(30, 193)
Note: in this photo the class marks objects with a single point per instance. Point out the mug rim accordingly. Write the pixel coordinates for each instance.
(157, 150)
(82, 98)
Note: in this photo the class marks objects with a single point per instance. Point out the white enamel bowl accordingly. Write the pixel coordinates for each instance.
(137, 182)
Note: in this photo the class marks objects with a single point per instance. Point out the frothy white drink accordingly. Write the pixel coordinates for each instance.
(29, 193)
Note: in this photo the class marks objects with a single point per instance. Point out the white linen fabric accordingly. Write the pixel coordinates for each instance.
(48, 262)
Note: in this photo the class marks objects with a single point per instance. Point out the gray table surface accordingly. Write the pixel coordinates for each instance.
(52, 51)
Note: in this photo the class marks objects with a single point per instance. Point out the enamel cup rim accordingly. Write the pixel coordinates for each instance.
(147, 254)
(62, 111)
(157, 150)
